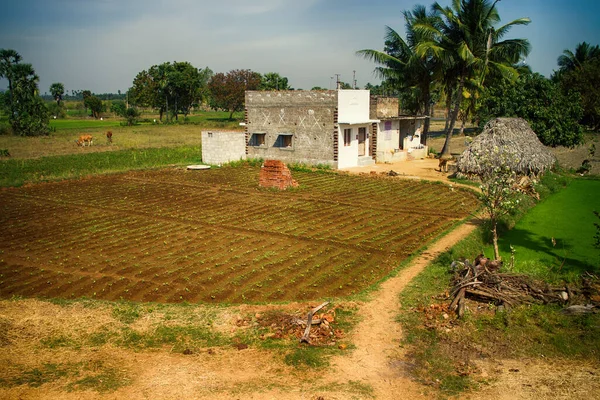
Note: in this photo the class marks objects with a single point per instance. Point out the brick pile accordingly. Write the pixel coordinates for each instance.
(275, 174)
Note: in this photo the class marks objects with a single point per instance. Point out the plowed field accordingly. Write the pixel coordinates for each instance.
(215, 236)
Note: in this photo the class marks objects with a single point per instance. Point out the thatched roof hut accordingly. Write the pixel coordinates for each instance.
(508, 142)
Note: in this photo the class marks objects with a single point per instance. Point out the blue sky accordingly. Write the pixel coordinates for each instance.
(101, 45)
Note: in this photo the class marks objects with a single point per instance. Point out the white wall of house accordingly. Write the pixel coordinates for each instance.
(353, 106)
(348, 154)
(388, 139)
(353, 113)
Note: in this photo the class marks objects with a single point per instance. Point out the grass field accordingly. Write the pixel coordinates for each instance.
(565, 217)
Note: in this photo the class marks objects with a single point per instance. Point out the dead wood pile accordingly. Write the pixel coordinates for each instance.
(481, 281)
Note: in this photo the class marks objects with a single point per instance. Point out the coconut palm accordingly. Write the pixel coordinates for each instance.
(584, 52)
(467, 44)
(402, 68)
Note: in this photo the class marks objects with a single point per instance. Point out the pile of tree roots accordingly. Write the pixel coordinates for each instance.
(481, 281)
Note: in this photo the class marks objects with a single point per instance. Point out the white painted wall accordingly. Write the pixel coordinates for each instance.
(348, 155)
(353, 106)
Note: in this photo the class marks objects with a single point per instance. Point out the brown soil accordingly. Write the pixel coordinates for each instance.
(214, 236)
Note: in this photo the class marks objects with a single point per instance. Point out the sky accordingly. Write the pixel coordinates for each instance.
(101, 45)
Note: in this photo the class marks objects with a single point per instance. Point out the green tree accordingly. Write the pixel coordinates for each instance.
(131, 115)
(409, 73)
(274, 81)
(553, 115)
(228, 90)
(57, 90)
(9, 58)
(29, 113)
(171, 88)
(93, 103)
(584, 52)
(580, 72)
(118, 107)
(467, 44)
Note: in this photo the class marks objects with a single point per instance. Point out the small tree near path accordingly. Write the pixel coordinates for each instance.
(499, 189)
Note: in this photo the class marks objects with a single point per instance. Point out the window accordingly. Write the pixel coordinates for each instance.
(284, 140)
(257, 139)
(347, 137)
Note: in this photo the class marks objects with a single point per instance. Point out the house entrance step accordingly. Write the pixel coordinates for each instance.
(365, 160)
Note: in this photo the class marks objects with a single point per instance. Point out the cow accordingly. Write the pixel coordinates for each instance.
(83, 139)
(109, 136)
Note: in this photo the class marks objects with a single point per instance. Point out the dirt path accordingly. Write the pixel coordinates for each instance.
(377, 336)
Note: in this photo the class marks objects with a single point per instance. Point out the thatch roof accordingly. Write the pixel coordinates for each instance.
(510, 142)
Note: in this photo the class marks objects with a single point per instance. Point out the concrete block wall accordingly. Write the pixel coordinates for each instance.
(220, 147)
(307, 115)
(383, 107)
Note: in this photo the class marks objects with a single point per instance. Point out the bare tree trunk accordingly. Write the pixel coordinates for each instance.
(446, 148)
(462, 124)
(428, 114)
(495, 240)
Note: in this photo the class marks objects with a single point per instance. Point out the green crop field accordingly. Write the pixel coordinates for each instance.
(557, 235)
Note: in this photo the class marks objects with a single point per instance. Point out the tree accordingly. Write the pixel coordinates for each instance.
(28, 114)
(228, 90)
(553, 115)
(93, 103)
(584, 79)
(118, 107)
(57, 90)
(274, 81)
(404, 70)
(584, 52)
(9, 58)
(498, 194)
(131, 115)
(468, 48)
(172, 88)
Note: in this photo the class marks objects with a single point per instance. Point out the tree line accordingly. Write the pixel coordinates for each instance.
(459, 55)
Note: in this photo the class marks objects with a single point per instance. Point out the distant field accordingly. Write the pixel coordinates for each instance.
(173, 235)
(565, 217)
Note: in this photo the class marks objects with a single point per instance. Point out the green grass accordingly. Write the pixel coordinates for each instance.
(78, 124)
(438, 355)
(15, 172)
(565, 216)
(90, 375)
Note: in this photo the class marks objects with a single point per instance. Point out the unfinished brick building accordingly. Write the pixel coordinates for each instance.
(339, 128)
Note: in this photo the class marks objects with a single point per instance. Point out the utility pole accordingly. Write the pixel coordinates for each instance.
(337, 81)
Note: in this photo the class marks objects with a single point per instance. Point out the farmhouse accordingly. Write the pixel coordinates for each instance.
(338, 128)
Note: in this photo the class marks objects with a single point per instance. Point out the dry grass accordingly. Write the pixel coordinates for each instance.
(137, 137)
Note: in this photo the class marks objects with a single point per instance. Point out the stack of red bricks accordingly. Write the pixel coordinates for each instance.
(275, 174)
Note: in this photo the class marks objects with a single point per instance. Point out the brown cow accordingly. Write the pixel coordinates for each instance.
(83, 139)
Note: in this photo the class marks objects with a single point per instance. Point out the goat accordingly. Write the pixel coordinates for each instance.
(109, 136)
(83, 139)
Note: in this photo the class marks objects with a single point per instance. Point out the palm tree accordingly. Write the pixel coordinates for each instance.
(8, 59)
(402, 68)
(584, 52)
(469, 47)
